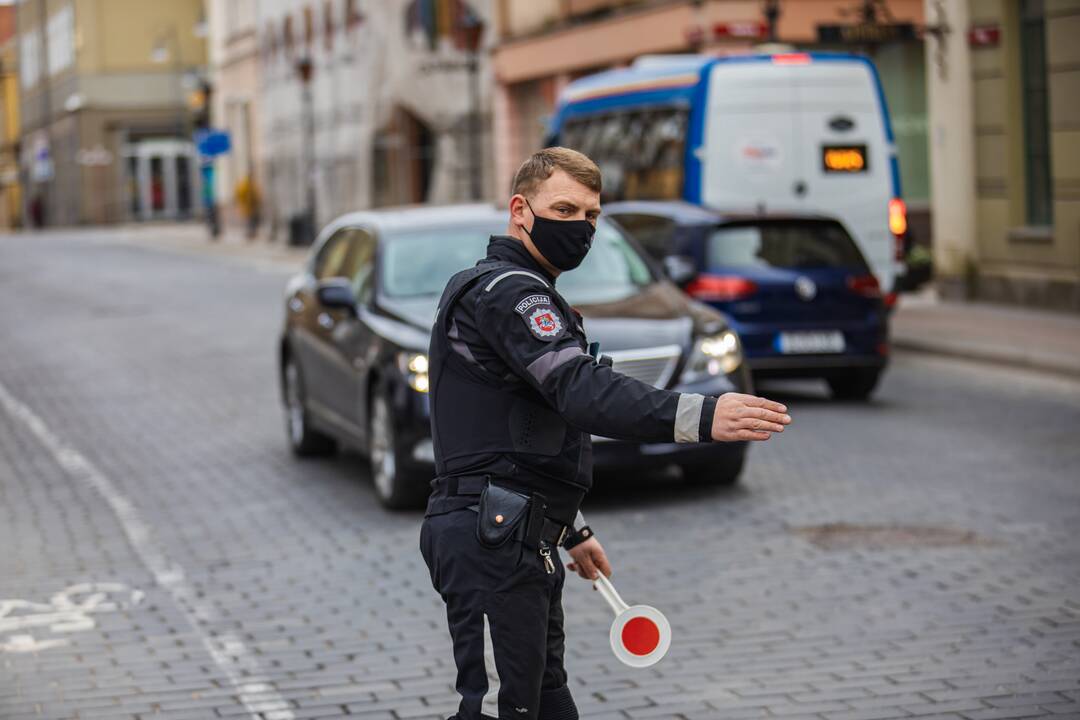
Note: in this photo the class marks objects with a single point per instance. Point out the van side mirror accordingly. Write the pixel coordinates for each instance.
(336, 294)
(680, 269)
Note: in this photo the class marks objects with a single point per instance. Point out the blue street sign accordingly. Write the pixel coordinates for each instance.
(213, 142)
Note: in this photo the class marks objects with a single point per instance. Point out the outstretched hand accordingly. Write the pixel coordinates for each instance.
(589, 560)
(747, 417)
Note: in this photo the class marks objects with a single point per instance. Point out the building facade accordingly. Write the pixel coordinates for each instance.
(105, 93)
(1004, 90)
(545, 44)
(234, 72)
(368, 104)
(10, 188)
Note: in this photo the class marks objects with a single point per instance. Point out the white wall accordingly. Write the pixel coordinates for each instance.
(356, 84)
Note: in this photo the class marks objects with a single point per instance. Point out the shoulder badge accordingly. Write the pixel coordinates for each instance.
(544, 322)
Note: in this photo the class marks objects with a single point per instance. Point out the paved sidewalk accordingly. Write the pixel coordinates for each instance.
(193, 238)
(188, 238)
(1040, 339)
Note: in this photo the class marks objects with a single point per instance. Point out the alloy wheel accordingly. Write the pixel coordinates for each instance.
(383, 462)
(294, 405)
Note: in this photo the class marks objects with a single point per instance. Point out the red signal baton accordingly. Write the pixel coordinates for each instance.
(640, 635)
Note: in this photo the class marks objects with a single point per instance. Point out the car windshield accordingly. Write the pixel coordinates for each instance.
(418, 263)
(782, 244)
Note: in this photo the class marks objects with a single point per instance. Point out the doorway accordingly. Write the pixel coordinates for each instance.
(161, 182)
(404, 160)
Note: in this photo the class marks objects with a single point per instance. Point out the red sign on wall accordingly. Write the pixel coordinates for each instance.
(984, 36)
(741, 29)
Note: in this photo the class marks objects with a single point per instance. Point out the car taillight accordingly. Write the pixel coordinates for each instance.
(865, 285)
(898, 225)
(720, 288)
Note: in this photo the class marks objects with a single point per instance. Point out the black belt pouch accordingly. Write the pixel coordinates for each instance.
(501, 514)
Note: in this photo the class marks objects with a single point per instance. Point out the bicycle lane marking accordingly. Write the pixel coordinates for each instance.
(227, 650)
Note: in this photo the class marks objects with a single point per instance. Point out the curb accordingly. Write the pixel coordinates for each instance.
(986, 355)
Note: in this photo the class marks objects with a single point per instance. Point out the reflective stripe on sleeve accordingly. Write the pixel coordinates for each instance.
(688, 417)
(507, 274)
(579, 521)
(542, 366)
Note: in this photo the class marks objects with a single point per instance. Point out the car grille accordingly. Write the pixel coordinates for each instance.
(653, 365)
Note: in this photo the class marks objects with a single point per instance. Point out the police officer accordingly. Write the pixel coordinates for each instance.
(514, 398)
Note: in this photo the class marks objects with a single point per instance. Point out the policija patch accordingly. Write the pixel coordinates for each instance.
(544, 322)
(531, 301)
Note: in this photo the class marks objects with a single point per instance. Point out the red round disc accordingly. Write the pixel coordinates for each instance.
(640, 636)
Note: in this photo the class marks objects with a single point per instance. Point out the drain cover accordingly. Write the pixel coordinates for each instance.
(841, 536)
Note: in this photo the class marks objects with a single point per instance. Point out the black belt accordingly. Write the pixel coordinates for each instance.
(539, 527)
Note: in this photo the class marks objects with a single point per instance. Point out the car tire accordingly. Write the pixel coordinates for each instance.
(397, 486)
(703, 474)
(304, 440)
(858, 384)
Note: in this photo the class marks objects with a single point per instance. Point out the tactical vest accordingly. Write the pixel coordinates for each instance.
(474, 411)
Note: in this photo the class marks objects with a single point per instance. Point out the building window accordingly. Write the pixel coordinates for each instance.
(353, 17)
(309, 26)
(61, 35)
(30, 57)
(287, 35)
(328, 25)
(1040, 201)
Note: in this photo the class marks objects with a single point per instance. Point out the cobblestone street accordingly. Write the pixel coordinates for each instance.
(165, 556)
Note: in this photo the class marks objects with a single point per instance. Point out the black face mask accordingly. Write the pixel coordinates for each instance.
(563, 243)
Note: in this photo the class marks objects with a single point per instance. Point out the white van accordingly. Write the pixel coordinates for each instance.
(801, 132)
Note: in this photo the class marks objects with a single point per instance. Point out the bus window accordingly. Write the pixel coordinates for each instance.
(640, 152)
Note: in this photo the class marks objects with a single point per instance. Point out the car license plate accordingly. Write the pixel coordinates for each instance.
(798, 343)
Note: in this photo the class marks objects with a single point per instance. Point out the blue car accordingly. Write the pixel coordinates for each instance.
(795, 288)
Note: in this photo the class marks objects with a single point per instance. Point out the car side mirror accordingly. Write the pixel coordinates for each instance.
(336, 294)
(680, 269)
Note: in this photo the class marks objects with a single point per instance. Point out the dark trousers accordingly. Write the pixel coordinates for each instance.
(506, 620)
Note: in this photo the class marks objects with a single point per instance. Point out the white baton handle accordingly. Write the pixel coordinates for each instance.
(610, 594)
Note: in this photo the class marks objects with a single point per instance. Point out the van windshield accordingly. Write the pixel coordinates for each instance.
(799, 244)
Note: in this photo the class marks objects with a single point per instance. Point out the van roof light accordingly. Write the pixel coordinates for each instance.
(792, 59)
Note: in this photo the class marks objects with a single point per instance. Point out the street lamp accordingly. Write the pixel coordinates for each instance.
(160, 54)
(304, 69)
(472, 31)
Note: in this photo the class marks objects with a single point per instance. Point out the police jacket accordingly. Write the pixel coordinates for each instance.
(515, 394)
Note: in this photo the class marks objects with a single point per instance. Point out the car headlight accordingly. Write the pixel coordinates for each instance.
(414, 366)
(713, 355)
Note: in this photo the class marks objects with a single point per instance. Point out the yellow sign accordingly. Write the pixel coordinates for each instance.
(843, 159)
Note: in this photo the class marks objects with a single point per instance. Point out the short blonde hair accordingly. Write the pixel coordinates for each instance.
(539, 167)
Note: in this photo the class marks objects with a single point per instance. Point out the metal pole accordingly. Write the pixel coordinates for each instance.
(476, 166)
(772, 18)
(46, 109)
(305, 68)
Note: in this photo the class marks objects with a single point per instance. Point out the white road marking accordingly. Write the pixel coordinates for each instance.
(228, 651)
(68, 611)
(28, 643)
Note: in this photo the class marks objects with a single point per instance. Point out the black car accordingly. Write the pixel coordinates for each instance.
(353, 352)
(796, 288)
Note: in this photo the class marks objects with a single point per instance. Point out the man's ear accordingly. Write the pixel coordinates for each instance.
(517, 208)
